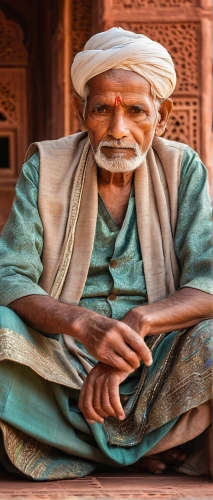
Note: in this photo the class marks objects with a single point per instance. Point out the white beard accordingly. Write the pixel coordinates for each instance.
(120, 164)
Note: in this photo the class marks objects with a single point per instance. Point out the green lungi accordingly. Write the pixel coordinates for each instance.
(46, 436)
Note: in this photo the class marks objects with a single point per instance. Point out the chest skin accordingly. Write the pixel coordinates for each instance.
(116, 200)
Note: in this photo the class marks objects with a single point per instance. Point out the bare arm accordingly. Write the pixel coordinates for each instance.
(110, 341)
(45, 314)
(183, 309)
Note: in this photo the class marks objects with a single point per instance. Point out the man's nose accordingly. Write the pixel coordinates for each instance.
(118, 127)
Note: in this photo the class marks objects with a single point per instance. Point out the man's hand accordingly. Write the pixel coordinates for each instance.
(111, 341)
(183, 309)
(99, 397)
(107, 340)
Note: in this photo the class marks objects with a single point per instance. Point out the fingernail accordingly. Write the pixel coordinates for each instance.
(174, 455)
(91, 421)
(182, 457)
(121, 417)
(149, 363)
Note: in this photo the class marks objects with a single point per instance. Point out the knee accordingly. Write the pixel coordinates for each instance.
(206, 327)
(204, 332)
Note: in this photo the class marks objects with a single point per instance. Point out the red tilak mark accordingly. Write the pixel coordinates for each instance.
(117, 101)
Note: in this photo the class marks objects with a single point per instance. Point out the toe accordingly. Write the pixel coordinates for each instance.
(152, 464)
(173, 456)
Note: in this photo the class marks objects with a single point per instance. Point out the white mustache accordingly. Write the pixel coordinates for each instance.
(118, 145)
(119, 164)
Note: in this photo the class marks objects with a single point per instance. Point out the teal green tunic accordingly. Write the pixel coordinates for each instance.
(48, 412)
(115, 282)
(22, 242)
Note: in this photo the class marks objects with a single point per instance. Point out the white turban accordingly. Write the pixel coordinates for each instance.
(121, 49)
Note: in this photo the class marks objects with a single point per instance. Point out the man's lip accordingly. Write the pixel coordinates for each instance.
(114, 148)
(113, 152)
(117, 150)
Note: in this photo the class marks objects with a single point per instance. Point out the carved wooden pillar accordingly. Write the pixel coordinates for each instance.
(81, 31)
(60, 75)
(184, 27)
(13, 109)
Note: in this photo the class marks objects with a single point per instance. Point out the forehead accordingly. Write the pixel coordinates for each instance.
(119, 82)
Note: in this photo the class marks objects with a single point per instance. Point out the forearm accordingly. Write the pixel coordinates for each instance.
(107, 340)
(183, 309)
(49, 316)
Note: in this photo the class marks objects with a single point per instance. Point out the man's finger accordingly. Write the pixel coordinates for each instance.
(97, 398)
(129, 356)
(140, 347)
(118, 362)
(86, 402)
(115, 401)
(105, 402)
(81, 397)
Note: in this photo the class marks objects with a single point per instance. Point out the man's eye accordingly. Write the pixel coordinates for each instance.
(100, 109)
(137, 110)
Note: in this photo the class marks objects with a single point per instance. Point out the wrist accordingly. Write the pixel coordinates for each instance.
(144, 320)
(76, 320)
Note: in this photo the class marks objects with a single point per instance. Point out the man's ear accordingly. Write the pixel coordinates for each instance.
(78, 106)
(163, 115)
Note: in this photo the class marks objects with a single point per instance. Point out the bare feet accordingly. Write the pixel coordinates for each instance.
(158, 463)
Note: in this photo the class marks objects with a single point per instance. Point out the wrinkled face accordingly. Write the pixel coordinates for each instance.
(120, 118)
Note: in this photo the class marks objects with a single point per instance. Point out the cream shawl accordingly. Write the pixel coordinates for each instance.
(68, 204)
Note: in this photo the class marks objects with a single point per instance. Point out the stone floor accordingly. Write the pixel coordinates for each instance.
(109, 486)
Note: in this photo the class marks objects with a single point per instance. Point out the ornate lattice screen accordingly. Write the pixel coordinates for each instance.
(13, 110)
(184, 27)
(182, 41)
(13, 94)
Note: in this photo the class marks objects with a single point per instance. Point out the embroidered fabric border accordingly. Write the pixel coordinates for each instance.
(47, 360)
(66, 257)
(38, 460)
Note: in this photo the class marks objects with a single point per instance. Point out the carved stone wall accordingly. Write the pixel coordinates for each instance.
(82, 11)
(13, 91)
(13, 109)
(140, 4)
(12, 49)
(81, 31)
(184, 122)
(57, 82)
(184, 27)
(36, 104)
(13, 116)
(183, 42)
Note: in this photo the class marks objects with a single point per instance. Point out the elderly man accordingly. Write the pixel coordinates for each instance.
(106, 281)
